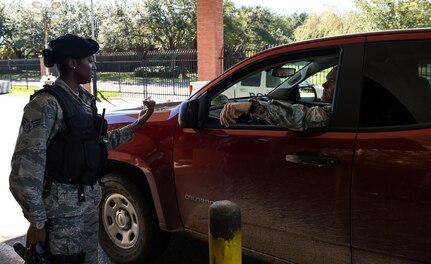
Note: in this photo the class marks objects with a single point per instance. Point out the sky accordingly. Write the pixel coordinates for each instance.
(287, 7)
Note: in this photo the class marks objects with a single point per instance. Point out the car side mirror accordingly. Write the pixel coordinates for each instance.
(283, 72)
(188, 114)
(194, 113)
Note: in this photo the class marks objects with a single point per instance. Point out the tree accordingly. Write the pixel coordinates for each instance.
(122, 29)
(72, 17)
(326, 24)
(22, 36)
(172, 23)
(258, 26)
(393, 14)
(2, 22)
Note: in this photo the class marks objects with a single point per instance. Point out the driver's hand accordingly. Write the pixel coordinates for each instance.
(231, 111)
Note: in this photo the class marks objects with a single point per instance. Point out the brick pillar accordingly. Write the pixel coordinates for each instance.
(210, 38)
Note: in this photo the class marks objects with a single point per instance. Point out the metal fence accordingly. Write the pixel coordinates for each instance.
(233, 55)
(20, 72)
(165, 74)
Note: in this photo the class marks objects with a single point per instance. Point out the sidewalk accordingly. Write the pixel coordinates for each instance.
(12, 222)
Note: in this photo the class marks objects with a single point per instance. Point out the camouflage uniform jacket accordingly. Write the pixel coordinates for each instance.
(293, 116)
(42, 119)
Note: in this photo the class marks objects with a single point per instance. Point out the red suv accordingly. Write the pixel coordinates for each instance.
(356, 191)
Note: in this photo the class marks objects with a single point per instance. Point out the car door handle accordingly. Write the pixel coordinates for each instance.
(319, 161)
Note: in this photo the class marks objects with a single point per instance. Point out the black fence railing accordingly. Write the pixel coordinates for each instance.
(20, 72)
(161, 74)
(233, 55)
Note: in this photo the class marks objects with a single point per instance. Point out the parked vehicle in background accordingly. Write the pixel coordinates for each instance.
(356, 191)
(196, 86)
(260, 84)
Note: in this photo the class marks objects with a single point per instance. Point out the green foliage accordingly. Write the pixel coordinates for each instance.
(371, 15)
(326, 24)
(136, 25)
(124, 28)
(115, 33)
(258, 26)
(2, 23)
(23, 30)
(19, 33)
(6, 52)
(394, 14)
(141, 25)
(172, 23)
(72, 17)
(106, 95)
(23, 90)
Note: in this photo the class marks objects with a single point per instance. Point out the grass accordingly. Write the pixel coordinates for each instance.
(106, 95)
(23, 90)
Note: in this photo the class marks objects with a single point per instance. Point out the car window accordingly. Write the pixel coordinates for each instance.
(272, 81)
(253, 80)
(296, 82)
(396, 84)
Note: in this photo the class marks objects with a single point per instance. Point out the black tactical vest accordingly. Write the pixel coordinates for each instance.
(78, 154)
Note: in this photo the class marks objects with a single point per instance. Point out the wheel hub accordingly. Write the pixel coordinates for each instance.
(122, 218)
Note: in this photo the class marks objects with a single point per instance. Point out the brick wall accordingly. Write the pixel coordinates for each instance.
(210, 38)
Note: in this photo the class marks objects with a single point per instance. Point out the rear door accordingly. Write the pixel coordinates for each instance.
(295, 203)
(391, 187)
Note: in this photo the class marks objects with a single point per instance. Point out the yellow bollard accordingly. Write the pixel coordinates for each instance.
(225, 238)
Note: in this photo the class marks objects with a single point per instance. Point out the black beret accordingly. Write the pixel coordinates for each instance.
(74, 46)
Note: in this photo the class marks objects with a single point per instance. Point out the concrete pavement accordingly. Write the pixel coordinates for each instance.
(12, 222)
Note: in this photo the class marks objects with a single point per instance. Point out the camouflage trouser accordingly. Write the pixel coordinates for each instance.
(73, 225)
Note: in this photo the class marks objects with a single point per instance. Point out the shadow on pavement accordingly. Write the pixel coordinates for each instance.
(181, 250)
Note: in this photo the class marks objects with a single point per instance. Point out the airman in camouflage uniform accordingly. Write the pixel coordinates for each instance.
(292, 116)
(71, 225)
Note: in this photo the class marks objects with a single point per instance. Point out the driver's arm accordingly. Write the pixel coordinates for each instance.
(291, 116)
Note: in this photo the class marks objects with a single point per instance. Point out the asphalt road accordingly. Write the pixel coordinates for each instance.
(13, 225)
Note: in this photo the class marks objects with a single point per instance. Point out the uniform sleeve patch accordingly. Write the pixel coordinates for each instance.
(28, 125)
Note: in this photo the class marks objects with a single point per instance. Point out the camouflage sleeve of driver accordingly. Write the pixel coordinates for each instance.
(292, 116)
(40, 120)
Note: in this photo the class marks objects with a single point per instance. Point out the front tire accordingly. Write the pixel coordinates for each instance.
(128, 227)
